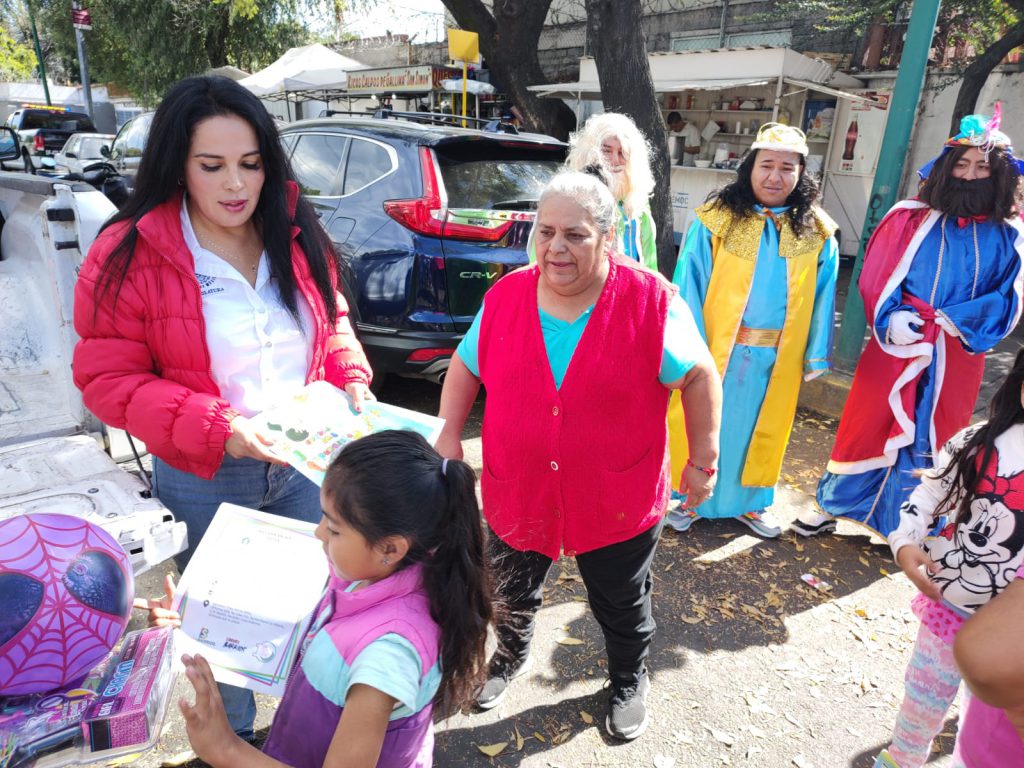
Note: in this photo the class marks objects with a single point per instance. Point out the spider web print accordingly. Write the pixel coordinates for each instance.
(65, 638)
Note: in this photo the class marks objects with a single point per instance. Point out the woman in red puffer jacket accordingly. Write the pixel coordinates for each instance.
(208, 297)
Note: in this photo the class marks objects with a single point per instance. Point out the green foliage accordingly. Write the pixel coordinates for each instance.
(976, 22)
(144, 47)
(17, 60)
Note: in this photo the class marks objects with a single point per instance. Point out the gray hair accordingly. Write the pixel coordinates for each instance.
(586, 191)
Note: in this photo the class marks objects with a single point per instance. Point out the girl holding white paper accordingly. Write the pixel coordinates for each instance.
(402, 532)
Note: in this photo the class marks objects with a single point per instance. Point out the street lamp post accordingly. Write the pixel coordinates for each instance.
(82, 21)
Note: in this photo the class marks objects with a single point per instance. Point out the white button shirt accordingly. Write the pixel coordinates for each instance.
(259, 355)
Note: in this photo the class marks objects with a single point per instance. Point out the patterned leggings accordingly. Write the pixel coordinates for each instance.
(932, 681)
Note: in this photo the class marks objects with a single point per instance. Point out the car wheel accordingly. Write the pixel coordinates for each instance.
(29, 168)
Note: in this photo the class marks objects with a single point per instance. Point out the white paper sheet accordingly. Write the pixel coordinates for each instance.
(247, 595)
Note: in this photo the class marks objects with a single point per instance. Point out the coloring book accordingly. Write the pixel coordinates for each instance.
(312, 426)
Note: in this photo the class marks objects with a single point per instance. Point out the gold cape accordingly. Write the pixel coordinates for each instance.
(735, 242)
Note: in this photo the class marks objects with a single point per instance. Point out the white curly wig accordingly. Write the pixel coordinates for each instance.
(585, 150)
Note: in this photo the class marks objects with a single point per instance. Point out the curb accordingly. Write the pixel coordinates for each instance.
(827, 394)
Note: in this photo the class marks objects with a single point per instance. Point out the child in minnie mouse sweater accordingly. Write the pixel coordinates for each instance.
(978, 482)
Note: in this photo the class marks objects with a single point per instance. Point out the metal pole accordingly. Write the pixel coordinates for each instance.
(898, 129)
(39, 53)
(83, 68)
(464, 75)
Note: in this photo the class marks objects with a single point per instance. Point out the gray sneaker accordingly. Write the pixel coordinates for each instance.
(681, 519)
(493, 691)
(762, 523)
(627, 708)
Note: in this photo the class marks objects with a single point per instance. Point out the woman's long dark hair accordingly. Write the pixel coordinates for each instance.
(162, 170)
(966, 470)
(739, 198)
(393, 483)
(1006, 182)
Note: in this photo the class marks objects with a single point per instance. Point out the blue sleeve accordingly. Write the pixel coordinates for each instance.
(693, 271)
(819, 339)
(469, 346)
(984, 321)
(392, 666)
(683, 345)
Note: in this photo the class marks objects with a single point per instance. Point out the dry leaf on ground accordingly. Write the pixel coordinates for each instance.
(492, 750)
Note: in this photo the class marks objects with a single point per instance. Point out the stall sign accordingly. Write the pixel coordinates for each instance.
(417, 79)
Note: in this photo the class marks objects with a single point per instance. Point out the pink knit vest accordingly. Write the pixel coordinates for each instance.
(587, 465)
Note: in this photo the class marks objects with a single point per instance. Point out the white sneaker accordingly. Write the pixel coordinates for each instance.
(810, 523)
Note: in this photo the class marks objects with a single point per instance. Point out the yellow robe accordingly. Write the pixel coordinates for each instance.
(735, 244)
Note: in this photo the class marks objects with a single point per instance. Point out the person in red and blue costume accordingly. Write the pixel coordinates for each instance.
(941, 284)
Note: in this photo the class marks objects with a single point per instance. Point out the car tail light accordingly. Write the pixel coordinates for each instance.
(427, 215)
(423, 355)
(38, 144)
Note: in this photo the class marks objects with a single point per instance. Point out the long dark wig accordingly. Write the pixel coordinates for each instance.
(162, 170)
(967, 468)
(739, 198)
(1006, 182)
(393, 483)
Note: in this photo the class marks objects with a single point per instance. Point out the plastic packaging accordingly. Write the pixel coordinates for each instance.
(129, 711)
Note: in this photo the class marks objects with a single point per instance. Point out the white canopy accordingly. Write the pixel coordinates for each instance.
(716, 70)
(309, 67)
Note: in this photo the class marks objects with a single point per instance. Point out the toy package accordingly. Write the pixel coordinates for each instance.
(129, 711)
(41, 729)
(118, 708)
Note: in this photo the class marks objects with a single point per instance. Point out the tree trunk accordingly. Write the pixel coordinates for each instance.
(978, 71)
(508, 40)
(616, 38)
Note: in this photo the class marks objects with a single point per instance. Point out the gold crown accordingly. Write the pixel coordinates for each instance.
(781, 138)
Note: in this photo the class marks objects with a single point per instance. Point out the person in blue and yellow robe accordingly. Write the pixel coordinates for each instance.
(758, 269)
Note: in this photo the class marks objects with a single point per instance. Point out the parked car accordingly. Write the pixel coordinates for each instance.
(81, 150)
(126, 149)
(43, 132)
(425, 218)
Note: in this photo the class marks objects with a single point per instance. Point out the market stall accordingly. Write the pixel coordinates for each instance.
(415, 85)
(749, 87)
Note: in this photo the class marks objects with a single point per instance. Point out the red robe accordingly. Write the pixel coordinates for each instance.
(878, 419)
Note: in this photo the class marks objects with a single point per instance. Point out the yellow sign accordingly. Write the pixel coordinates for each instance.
(462, 45)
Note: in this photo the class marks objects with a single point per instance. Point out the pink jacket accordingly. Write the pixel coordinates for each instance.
(583, 466)
(146, 368)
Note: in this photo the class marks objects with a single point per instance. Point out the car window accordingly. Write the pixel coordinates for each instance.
(316, 161)
(498, 177)
(136, 135)
(58, 120)
(91, 147)
(367, 162)
(71, 146)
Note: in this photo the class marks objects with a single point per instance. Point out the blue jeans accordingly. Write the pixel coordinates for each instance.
(279, 490)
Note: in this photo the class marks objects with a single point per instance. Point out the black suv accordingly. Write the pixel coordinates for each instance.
(426, 218)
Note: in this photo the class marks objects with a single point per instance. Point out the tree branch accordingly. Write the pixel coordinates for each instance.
(508, 40)
(977, 73)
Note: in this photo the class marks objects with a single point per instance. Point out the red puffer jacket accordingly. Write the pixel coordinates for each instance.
(146, 368)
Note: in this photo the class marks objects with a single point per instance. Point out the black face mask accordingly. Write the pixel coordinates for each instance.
(974, 197)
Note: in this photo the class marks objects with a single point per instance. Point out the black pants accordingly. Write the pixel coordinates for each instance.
(619, 585)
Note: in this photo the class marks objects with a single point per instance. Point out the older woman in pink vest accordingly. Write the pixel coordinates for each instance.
(578, 354)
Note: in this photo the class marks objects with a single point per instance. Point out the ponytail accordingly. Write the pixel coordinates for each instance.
(457, 581)
(394, 483)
